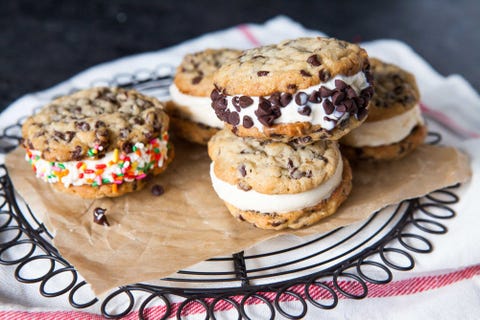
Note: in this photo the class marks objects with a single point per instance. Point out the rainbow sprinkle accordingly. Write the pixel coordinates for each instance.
(115, 168)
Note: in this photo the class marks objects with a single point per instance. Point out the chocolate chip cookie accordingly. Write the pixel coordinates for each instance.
(192, 118)
(307, 88)
(394, 126)
(98, 142)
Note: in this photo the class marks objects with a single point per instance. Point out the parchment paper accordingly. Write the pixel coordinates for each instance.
(152, 237)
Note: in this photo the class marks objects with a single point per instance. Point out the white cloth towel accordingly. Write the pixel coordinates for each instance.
(444, 284)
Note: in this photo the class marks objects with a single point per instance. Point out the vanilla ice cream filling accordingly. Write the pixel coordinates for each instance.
(318, 116)
(278, 203)
(196, 109)
(384, 132)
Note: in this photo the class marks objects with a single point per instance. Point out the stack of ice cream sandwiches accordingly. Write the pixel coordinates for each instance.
(277, 164)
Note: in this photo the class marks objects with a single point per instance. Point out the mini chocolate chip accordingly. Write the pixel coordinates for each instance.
(305, 110)
(124, 132)
(99, 124)
(290, 164)
(341, 108)
(275, 99)
(264, 107)
(127, 147)
(313, 60)
(157, 190)
(325, 92)
(30, 145)
(220, 103)
(241, 218)
(197, 80)
(367, 93)
(137, 120)
(234, 118)
(247, 122)
(277, 223)
(82, 125)
(245, 101)
(348, 104)
(314, 97)
(215, 95)
(361, 114)
(301, 98)
(148, 134)
(236, 103)
(351, 92)
(285, 99)
(266, 120)
(296, 174)
(59, 135)
(292, 86)
(340, 84)
(77, 153)
(338, 97)
(244, 186)
(242, 170)
(398, 90)
(69, 135)
(304, 140)
(305, 73)
(308, 174)
(324, 75)
(99, 216)
(262, 73)
(328, 107)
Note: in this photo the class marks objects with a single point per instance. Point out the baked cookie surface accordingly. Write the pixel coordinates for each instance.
(89, 123)
(396, 91)
(271, 167)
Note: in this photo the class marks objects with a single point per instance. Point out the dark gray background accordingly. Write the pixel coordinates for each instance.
(45, 42)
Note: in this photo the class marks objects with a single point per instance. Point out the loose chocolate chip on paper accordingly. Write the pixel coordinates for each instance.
(99, 216)
(275, 99)
(285, 99)
(314, 60)
(215, 95)
(351, 92)
(262, 73)
(315, 97)
(328, 107)
(157, 190)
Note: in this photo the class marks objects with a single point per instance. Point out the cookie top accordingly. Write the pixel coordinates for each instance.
(289, 66)
(195, 74)
(396, 91)
(272, 167)
(91, 122)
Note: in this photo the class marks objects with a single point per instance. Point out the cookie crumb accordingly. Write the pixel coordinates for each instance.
(99, 216)
(157, 190)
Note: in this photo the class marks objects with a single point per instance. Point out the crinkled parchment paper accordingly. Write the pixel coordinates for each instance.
(152, 237)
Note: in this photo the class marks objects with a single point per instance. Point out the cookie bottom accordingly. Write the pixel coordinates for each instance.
(299, 131)
(392, 151)
(106, 190)
(299, 218)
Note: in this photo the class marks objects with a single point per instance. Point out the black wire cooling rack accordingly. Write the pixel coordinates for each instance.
(310, 272)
